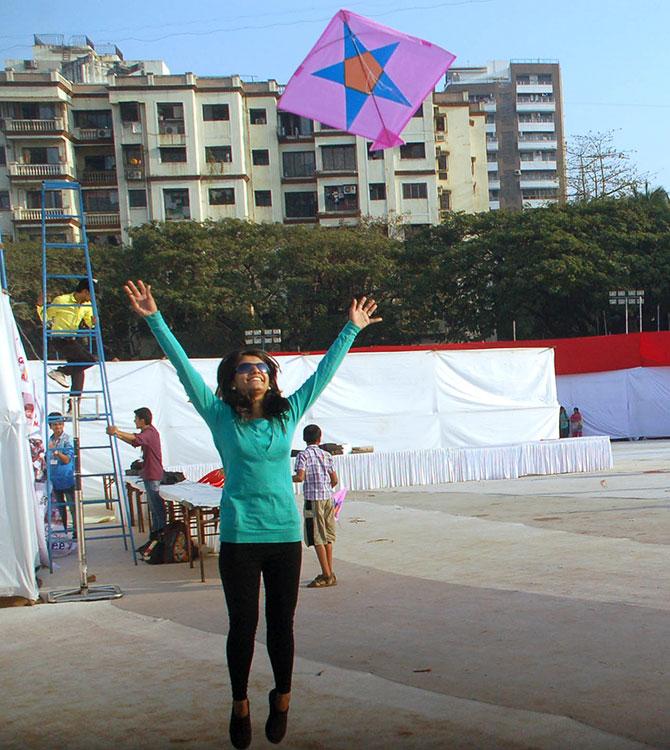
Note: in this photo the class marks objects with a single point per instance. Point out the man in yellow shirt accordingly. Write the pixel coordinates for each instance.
(67, 312)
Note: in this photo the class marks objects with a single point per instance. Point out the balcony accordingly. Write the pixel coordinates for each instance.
(93, 134)
(537, 127)
(529, 166)
(492, 166)
(534, 88)
(103, 220)
(492, 145)
(528, 183)
(494, 184)
(538, 202)
(537, 143)
(34, 215)
(92, 177)
(39, 171)
(488, 106)
(536, 106)
(490, 127)
(54, 126)
(494, 205)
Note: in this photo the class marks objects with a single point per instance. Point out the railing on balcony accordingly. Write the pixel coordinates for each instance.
(92, 134)
(103, 219)
(38, 170)
(34, 215)
(98, 177)
(38, 127)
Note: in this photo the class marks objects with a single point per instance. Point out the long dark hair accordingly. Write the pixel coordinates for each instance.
(274, 404)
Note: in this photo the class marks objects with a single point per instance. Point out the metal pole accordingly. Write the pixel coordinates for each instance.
(639, 299)
(658, 317)
(78, 498)
(514, 330)
(626, 314)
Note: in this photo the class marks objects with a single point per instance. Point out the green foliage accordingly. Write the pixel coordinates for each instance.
(549, 270)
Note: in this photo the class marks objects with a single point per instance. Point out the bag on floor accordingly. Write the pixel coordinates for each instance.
(175, 546)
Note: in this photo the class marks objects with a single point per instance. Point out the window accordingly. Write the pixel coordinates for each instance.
(413, 190)
(137, 198)
(171, 154)
(130, 111)
(338, 158)
(221, 196)
(260, 157)
(170, 118)
(445, 200)
(258, 117)
(489, 118)
(93, 118)
(544, 79)
(176, 204)
(443, 164)
(440, 123)
(3, 156)
(4, 200)
(341, 197)
(52, 199)
(375, 155)
(413, 151)
(294, 126)
(100, 163)
(263, 197)
(299, 164)
(215, 112)
(49, 155)
(300, 205)
(377, 191)
(216, 154)
(419, 111)
(101, 200)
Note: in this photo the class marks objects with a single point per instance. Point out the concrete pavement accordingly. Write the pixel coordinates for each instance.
(512, 614)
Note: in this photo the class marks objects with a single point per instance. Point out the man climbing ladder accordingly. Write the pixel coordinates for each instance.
(67, 312)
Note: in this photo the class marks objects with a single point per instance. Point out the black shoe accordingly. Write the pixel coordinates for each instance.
(275, 726)
(240, 730)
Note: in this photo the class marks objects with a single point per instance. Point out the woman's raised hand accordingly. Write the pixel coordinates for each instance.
(361, 312)
(141, 299)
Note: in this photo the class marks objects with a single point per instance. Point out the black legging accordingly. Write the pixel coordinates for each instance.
(241, 566)
(74, 351)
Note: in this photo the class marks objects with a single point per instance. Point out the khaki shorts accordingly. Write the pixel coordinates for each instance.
(319, 522)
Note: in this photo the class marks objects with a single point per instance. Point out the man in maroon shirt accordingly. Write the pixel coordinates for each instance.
(149, 441)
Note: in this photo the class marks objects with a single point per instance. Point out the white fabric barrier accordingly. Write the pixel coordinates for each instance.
(369, 471)
(620, 403)
(18, 536)
(394, 401)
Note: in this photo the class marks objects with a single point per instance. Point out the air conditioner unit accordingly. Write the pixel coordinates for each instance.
(349, 189)
(517, 172)
(103, 133)
(439, 136)
(134, 174)
(168, 130)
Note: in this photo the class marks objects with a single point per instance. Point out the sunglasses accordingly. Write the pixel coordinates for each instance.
(246, 367)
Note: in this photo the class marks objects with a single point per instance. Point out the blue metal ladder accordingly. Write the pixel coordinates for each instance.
(114, 491)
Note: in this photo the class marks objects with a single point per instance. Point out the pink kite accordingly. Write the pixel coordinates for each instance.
(338, 501)
(365, 78)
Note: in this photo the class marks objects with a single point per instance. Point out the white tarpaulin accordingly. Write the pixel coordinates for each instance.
(394, 401)
(620, 403)
(18, 538)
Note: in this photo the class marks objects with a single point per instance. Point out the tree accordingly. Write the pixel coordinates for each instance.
(597, 169)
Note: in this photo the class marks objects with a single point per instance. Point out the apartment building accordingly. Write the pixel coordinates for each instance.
(524, 129)
(150, 146)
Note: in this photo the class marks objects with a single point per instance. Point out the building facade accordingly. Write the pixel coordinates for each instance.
(524, 129)
(149, 146)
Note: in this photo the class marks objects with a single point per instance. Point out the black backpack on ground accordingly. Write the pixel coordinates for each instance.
(170, 546)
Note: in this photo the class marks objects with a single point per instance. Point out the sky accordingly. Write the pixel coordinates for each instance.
(612, 52)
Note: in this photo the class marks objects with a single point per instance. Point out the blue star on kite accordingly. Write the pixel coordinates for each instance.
(362, 74)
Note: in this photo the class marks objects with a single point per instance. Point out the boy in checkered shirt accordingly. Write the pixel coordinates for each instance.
(314, 467)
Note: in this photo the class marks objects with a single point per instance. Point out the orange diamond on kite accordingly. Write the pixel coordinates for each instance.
(362, 72)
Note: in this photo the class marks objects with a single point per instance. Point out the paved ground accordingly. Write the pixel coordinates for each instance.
(512, 614)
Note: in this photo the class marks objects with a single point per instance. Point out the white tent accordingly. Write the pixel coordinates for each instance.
(18, 538)
(394, 401)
